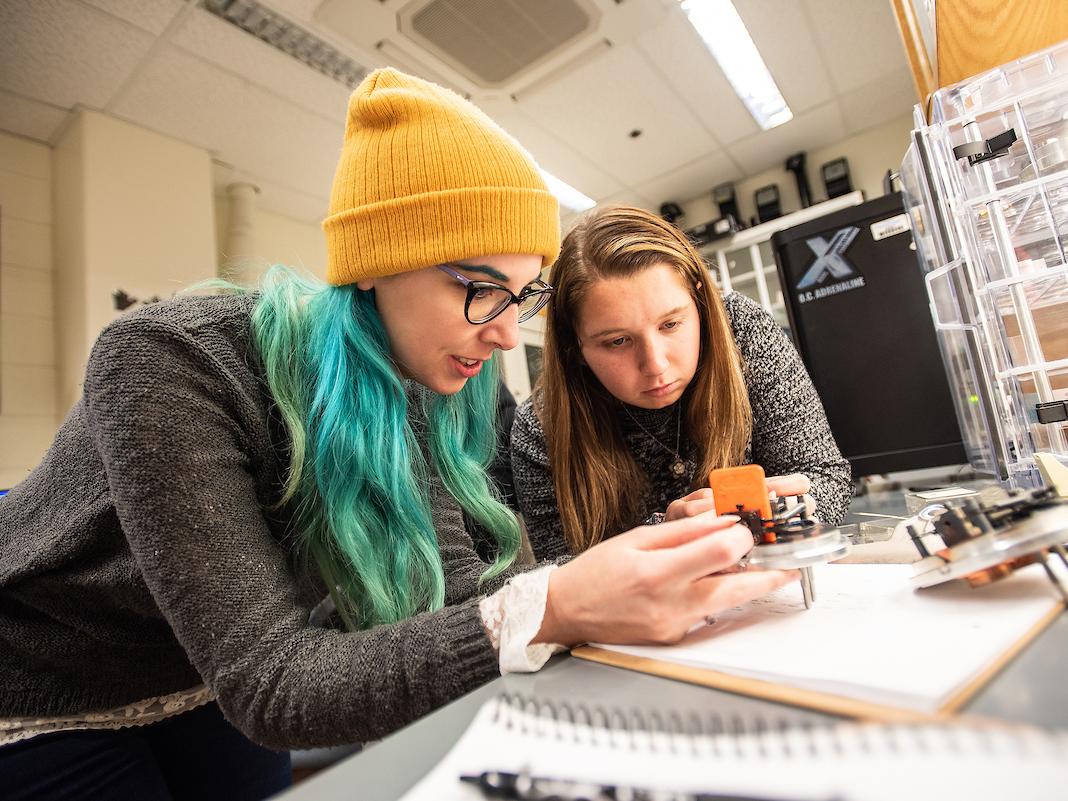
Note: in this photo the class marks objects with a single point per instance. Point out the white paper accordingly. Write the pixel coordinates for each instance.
(870, 636)
(847, 762)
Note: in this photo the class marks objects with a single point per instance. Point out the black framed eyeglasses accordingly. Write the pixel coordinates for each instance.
(486, 300)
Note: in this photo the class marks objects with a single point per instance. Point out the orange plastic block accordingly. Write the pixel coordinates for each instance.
(740, 486)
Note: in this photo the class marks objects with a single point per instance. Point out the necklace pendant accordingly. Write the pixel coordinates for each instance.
(678, 468)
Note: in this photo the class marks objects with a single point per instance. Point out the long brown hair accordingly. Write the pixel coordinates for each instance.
(599, 486)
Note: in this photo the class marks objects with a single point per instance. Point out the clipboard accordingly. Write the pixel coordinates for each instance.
(1016, 614)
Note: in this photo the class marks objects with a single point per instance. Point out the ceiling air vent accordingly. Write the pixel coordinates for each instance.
(291, 39)
(492, 41)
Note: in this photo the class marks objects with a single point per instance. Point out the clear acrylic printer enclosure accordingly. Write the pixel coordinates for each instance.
(991, 238)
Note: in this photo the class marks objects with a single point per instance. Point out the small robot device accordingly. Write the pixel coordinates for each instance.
(984, 543)
(784, 537)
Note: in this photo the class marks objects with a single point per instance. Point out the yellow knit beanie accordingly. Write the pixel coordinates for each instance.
(425, 178)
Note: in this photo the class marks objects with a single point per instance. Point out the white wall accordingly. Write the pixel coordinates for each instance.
(111, 206)
(133, 211)
(870, 154)
(27, 352)
(275, 240)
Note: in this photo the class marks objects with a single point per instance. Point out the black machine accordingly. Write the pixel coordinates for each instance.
(836, 178)
(861, 321)
(708, 232)
(671, 211)
(727, 224)
(723, 196)
(796, 165)
(768, 203)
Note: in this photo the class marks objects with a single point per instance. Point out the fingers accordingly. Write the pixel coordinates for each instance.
(793, 484)
(700, 495)
(710, 554)
(717, 593)
(697, 502)
(679, 532)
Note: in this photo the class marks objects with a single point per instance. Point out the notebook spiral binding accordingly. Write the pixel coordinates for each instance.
(732, 737)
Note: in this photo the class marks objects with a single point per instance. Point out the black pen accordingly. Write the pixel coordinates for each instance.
(522, 786)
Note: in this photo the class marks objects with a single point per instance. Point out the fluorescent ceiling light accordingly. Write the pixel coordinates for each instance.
(726, 37)
(568, 196)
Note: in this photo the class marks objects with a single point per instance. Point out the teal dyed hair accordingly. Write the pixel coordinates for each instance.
(357, 480)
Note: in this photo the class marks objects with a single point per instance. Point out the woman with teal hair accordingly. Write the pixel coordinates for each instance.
(236, 458)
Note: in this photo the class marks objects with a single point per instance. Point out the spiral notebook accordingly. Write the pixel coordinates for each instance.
(871, 646)
(683, 753)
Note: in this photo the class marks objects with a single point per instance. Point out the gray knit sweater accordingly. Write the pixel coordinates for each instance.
(137, 558)
(790, 435)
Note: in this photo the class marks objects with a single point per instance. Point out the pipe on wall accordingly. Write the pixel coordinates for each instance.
(240, 250)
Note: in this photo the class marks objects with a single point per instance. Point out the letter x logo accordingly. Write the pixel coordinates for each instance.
(829, 257)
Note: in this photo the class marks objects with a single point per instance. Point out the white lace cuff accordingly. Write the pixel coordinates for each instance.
(512, 617)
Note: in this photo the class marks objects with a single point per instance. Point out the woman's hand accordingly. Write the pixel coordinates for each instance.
(654, 583)
(696, 503)
(702, 500)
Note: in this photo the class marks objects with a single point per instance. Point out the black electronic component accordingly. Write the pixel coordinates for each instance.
(1052, 412)
(671, 211)
(768, 202)
(708, 232)
(796, 165)
(724, 198)
(992, 148)
(836, 178)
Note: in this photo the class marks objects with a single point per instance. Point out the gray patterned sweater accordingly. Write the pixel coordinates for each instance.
(790, 435)
(137, 558)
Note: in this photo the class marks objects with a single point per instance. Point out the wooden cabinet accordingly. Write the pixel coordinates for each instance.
(949, 41)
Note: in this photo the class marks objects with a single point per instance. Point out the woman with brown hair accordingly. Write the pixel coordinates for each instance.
(652, 379)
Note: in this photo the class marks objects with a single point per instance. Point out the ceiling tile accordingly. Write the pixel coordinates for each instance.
(891, 96)
(629, 197)
(599, 103)
(783, 35)
(692, 180)
(236, 51)
(808, 131)
(65, 53)
(241, 124)
(29, 118)
(152, 17)
(675, 50)
(304, 10)
(551, 153)
(859, 40)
